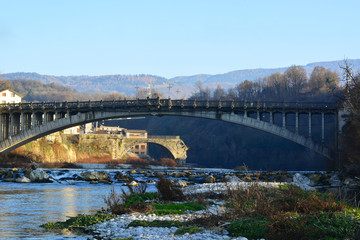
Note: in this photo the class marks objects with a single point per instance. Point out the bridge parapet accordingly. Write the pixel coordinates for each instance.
(167, 103)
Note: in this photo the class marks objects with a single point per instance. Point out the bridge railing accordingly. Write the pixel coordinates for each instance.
(163, 137)
(168, 103)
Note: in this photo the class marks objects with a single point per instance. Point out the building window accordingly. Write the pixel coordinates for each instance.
(12, 94)
(137, 147)
(142, 146)
(4, 94)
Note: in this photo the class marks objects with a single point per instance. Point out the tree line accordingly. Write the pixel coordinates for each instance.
(292, 85)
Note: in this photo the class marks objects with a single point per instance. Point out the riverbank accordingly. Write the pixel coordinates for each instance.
(236, 210)
(210, 187)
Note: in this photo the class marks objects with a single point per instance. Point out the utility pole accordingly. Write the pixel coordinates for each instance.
(177, 93)
(169, 87)
(137, 91)
(149, 89)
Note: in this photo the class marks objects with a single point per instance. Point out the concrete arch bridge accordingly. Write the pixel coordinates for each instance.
(118, 145)
(21, 123)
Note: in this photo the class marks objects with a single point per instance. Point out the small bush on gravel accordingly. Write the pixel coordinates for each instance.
(120, 203)
(82, 220)
(168, 192)
(189, 230)
(140, 197)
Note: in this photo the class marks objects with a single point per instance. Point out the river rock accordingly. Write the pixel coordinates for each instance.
(158, 174)
(351, 183)
(133, 183)
(123, 177)
(210, 179)
(335, 181)
(180, 183)
(302, 181)
(231, 179)
(2, 172)
(23, 180)
(9, 174)
(95, 175)
(39, 175)
(177, 174)
(318, 179)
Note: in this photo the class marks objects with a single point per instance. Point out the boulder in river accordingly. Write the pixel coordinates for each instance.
(180, 183)
(231, 179)
(23, 180)
(95, 176)
(210, 179)
(302, 181)
(39, 175)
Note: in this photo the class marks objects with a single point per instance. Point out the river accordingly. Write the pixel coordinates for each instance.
(24, 207)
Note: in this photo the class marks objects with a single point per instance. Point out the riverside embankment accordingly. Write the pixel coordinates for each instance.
(25, 206)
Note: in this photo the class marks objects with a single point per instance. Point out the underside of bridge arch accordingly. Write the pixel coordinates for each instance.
(82, 118)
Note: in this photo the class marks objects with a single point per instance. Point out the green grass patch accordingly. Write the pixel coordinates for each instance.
(81, 220)
(251, 228)
(140, 197)
(157, 223)
(191, 206)
(175, 208)
(189, 230)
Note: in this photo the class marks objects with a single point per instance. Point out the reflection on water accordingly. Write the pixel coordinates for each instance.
(24, 207)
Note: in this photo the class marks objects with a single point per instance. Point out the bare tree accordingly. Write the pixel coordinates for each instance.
(297, 78)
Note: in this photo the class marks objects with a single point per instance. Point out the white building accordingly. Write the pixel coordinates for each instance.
(72, 130)
(9, 96)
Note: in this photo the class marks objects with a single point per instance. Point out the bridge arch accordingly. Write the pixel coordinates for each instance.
(173, 145)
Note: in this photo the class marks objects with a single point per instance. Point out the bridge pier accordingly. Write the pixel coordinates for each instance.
(297, 122)
(310, 123)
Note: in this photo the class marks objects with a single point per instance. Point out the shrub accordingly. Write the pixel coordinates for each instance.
(81, 220)
(129, 201)
(168, 192)
(251, 228)
(190, 230)
(140, 197)
(168, 162)
(114, 202)
(313, 226)
(137, 162)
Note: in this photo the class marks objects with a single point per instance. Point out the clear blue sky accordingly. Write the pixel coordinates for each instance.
(171, 38)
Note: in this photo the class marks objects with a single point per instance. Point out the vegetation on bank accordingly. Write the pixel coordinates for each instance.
(285, 212)
(78, 222)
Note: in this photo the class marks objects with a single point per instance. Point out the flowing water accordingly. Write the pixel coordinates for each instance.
(24, 207)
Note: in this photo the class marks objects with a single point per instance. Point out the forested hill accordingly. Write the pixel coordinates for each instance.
(182, 86)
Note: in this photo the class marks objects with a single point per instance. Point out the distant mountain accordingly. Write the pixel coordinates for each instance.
(182, 86)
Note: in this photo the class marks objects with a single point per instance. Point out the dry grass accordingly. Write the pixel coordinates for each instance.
(167, 162)
(101, 159)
